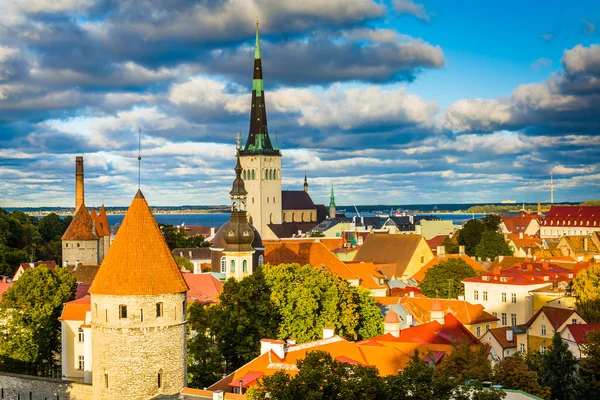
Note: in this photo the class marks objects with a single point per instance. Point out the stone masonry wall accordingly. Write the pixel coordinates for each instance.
(14, 386)
(86, 253)
(130, 353)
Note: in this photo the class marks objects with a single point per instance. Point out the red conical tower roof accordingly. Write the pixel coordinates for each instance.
(82, 226)
(139, 261)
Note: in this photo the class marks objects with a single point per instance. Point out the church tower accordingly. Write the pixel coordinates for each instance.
(332, 204)
(138, 307)
(238, 235)
(260, 160)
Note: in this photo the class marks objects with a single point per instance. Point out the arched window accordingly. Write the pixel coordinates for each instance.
(266, 174)
(245, 266)
(232, 265)
(253, 174)
(270, 174)
(244, 175)
(274, 174)
(261, 260)
(223, 264)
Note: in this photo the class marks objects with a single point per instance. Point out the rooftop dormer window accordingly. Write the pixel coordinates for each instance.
(503, 279)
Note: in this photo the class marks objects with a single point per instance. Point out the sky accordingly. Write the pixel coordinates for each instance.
(391, 101)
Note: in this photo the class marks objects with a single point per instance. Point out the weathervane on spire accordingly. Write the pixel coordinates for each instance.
(238, 139)
(139, 156)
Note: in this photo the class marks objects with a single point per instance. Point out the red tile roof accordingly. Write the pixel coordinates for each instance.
(555, 316)
(526, 273)
(573, 216)
(247, 379)
(369, 275)
(204, 288)
(518, 223)
(139, 261)
(4, 287)
(82, 226)
(579, 332)
(500, 335)
(75, 310)
(465, 312)
(302, 252)
(436, 241)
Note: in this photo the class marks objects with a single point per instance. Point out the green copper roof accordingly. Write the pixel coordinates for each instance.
(332, 198)
(257, 48)
(257, 85)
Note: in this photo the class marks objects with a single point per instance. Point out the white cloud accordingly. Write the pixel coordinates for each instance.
(412, 8)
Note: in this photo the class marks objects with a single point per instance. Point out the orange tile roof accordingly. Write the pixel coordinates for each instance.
(81, 228)
(204, 288)
(75, 310)
(420, 275)
(208, 394)
(386, 301)
(465, 312)
(303, 252)
(368, 273)
(518, 223)
(500, 335)
(139, 261)
(102, 226)
(555, 316)
(4, 286)
(525, 241)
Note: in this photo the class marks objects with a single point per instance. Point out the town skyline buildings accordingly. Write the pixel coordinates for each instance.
(385, 100)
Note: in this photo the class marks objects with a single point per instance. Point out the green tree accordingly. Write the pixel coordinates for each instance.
(492, 245)
(586, 288)
(466, 362)
(206, 365)
(491, 223)
(309, 299)
(245, 315)
(176, 238)
(589, 367)
(52, 227)
(444, 278)
(31, 307)
(470, 235)
(183, 262)
(556, 369)
(451, 245)
(513, 373)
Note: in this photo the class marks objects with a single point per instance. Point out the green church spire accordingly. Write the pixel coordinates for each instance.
(257, 47)
(332, 198)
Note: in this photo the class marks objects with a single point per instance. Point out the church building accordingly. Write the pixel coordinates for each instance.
(273, 212)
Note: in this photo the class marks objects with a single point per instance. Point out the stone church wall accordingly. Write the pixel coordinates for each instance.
(24, 387)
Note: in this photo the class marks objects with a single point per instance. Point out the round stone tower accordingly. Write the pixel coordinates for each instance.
(138, 314)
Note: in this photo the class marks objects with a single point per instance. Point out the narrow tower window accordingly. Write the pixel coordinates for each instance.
(245, 266)
(106, 381)
(253, 174)
(159, 310)
(159, 380)
(223, 264)
(232, 265)
(122, 311)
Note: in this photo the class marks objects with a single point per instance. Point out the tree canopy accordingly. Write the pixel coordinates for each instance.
(466, 362)
(176, 238)
(444, 279)
(23, 238)
(589, 367)
(492, 245)
(472, 233)
(513, 373)
(30, 341)
(586, 288)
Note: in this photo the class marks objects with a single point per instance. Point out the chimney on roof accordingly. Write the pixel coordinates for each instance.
(539, 208)
(218, 395)
(291, 342)
(411, 294)
(585, 244)
(461, 250)
(497, 271)
(391, 324)
(520, 235)
(328, 332)
(441, 251)
(212, 231)
(509, 335)
(276, 346)
(79, 192)
(529, 267)
(4, 279)
(545, 266)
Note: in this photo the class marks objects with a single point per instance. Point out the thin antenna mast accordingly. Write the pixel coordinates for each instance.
(139, 157)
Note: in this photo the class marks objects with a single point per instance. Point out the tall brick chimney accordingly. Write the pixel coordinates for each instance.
(79, 192)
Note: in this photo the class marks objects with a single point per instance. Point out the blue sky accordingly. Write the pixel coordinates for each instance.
(393, 102)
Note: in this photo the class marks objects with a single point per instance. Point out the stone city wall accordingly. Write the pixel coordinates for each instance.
(24, 387)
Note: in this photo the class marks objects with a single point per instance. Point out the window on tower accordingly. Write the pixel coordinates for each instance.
(253, 174)
(245, 266)
(244, 175)
(159, 310)
(232, 265)
(223, 264)
(122, 311)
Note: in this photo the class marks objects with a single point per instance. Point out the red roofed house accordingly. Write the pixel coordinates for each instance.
(387, 352)
(506, 292)
(4, 285)
(540, 328)
(422, 310)
(523, 245)
(25, 266)
(527, 224)
(396, 256)
(442, 256)
(570, 220)
(204, 288)
(575, 335)
(503, 342)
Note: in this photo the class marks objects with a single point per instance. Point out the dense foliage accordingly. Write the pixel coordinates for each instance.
(586, 288)
(444, 279)
(176, 238)
(321, 377)
(481, 238)
(451, 245)
(513, 373)
(30, 341)
(24, 238)
(466, 362)
(276, 302)
(589, 367)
